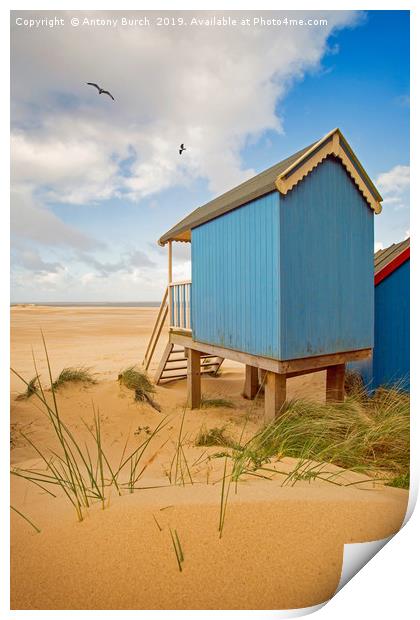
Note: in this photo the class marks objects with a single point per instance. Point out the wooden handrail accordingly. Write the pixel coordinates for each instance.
(180, 282)
(184, 324)
(157, 330)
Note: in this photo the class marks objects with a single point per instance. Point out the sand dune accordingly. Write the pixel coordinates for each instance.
(281, 548)
(281, 545)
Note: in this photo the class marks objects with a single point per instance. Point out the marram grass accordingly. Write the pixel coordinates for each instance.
(83, 474)
(73, 375)
(31, 388)
(363, 434)
(216, 436)
(179, 472)
(207, 403)
(138, 381)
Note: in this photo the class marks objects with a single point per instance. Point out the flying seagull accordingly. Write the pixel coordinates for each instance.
(182, 148)
(101, 91)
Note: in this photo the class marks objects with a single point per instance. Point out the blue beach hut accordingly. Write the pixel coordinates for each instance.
(390, 362)
(282, 276)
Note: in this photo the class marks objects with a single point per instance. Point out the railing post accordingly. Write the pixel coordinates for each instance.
(184, 309)
(170, 305)
(189, 306)
(169, 262)
(180, 305)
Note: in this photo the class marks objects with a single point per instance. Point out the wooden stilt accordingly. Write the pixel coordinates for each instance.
(275, 395)
(251, 382)
(335, 383)
(193, 378)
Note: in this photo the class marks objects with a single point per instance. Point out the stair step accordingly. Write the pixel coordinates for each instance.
(181, 376)
(205, 365)
(182, 367)
(176, 359)
(174, 364)
(165, 376)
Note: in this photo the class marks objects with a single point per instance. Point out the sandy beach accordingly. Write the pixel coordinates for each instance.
(281, 545)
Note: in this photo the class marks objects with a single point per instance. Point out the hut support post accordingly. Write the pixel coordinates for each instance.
(251, 382)
(193, 378)
(275, 395)
(335, 383)
(169, 262)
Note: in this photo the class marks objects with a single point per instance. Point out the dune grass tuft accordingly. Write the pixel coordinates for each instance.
(362, 434)
(214, 437)
(82, 472)
(400, 482)
(73, 375)
(207, 403)
(138, 381)
(31, 388)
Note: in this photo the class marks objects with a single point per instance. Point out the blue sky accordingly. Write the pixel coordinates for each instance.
(95, 183)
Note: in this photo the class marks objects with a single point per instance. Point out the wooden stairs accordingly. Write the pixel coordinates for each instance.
(157, 330)
(173, 365)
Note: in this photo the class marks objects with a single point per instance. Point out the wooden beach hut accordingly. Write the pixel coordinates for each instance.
(390, 362)
(282, 275)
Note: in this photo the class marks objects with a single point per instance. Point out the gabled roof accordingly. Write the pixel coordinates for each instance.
(389, 259)
(283, 177)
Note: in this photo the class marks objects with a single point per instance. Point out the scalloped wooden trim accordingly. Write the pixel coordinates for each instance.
(185, 237)
(332, 147)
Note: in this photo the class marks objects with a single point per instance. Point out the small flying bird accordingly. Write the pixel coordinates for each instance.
(182, 148)
(101, 91)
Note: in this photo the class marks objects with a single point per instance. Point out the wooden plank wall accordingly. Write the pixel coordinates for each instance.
(326, 262)
(235, 275)
(288, 276)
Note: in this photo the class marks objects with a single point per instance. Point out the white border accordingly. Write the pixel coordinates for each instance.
(387, 586)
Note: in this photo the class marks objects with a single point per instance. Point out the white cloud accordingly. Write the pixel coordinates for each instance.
(128, 262)
(42, 284)
(211, 89)
(214, 90)
(392, 225)
(31, 259)
(31, 221)
(139, 259)
(67, 168)
(394, 186)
